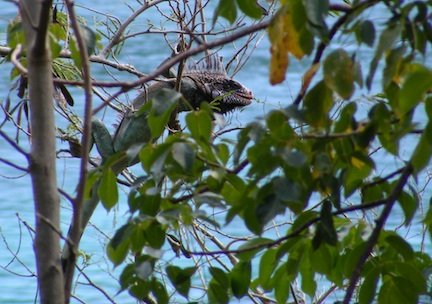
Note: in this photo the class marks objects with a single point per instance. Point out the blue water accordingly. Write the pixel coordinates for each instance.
(17, 281)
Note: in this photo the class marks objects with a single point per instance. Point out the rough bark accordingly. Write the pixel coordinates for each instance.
(42, 162)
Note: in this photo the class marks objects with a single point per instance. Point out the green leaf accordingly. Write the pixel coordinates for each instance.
(243, 139)
(268, 208)
(371, 193)
(140, 289)
(345, 122)
(226, 9)
(360, 167)
(217, 293)
(107, 189)
(250, 8)
(394, 60)
(122, 235)
(278, 126)
(365, 33)
(339, 73)
(400, 246)
(220, 276)
(428, 219)
(317, 104)
(397, 290)
(75, 53)
(184, 155)
(15, 34)
(117, 254)
(137, 240)
(325, 229)
(54, 45)
(267, 266)
(92, 180)
(159, 291)
(422, 152)
(89, 39)
(386, 41)
(200, 125)
(240, 278)
(180, 278)
(414, 89)
(281, 284)
(308, 283)
(428, 107)
(250, 216)
(127, 277)
(321, 260)
(352, 259)
(248, 255)
(293, 263)
(223, 153)
(155, 234)
(286, 190)
(409, 205)
(316, 11)
(369, 286)
(412, 273)
(163, 103)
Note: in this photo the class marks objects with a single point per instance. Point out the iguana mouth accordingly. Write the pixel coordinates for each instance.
(236, 99)
(246, 96)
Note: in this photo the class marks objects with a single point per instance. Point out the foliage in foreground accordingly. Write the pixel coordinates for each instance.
(305, 169)
(329, 155)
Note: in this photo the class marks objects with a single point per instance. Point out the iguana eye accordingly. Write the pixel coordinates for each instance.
(211, 92)
(215, 94)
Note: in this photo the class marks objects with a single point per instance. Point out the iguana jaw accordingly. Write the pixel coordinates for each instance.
(235, 99)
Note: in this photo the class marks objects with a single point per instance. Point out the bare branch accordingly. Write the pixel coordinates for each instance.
(14, 58)
(117, 36)
(75, 233)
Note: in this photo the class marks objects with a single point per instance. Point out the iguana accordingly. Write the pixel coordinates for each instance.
(199, 83)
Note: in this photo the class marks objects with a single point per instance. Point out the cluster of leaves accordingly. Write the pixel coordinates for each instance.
(60, 38)
(329, 157)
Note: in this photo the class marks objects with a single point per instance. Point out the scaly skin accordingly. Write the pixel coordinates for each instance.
(198, 84)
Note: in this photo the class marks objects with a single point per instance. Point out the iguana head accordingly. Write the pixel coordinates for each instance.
(211, 83)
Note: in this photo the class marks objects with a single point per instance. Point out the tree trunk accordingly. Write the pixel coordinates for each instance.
(36, 16)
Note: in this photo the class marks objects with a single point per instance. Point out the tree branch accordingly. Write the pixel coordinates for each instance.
(75, 233)
(389, 203)
(42, 158)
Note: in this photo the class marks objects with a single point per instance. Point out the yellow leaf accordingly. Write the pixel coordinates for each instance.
(357, 162)
(307, 77)
(292, 39)
(284, 38)
(278, 54)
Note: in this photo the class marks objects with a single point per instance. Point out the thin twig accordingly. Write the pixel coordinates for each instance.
(75, 232)
(14, 58)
